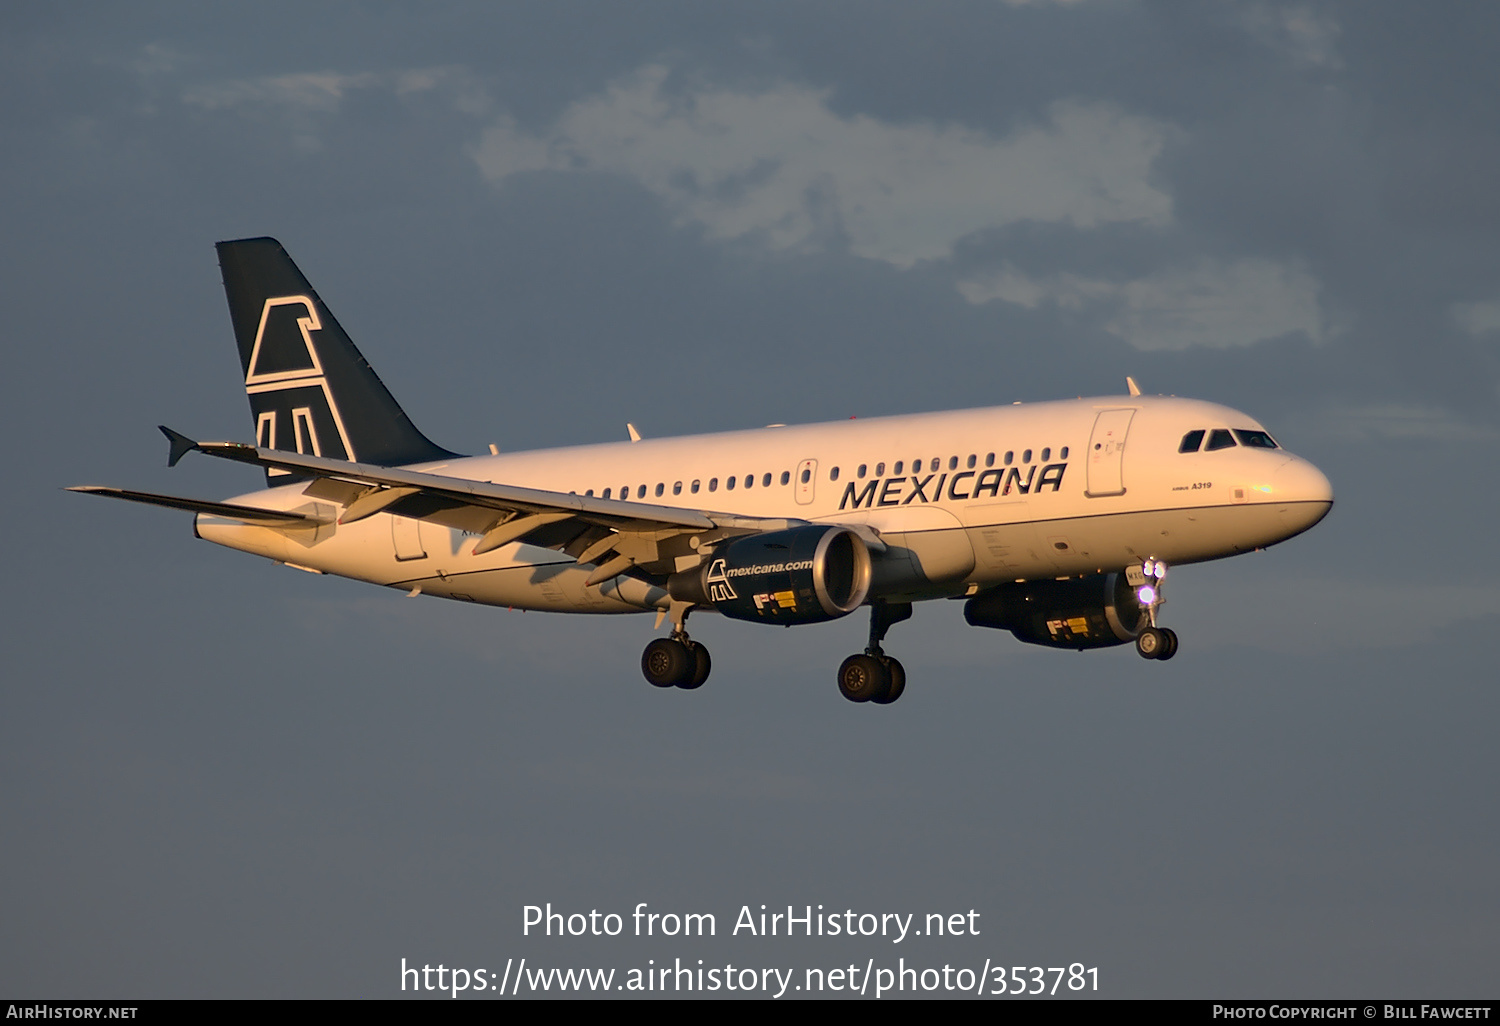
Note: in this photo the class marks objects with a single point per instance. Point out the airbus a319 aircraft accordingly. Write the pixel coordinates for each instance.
(1054, 520)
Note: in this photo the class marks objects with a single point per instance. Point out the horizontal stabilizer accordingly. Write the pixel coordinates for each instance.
(233, 511)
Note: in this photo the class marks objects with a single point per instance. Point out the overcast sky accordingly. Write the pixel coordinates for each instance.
(539, 221)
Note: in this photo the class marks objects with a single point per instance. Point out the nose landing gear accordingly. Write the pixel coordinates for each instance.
(1152, 642)
(1156, 643)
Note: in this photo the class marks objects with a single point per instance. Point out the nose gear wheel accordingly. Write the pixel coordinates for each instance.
(1153, 642)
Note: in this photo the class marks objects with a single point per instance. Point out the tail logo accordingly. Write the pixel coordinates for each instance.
(289, 393)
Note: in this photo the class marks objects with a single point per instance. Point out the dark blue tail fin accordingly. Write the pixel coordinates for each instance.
(310, 389)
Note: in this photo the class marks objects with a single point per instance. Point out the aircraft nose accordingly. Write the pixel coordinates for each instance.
(1297, 480)
(1303, 493)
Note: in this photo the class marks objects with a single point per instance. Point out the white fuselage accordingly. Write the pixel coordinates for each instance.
(961, 500)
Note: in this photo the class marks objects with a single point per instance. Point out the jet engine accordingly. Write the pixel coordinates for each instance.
(802, 575)
(1090, 612)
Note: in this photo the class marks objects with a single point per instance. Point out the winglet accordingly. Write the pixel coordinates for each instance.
(1130, 384)
(181, 444)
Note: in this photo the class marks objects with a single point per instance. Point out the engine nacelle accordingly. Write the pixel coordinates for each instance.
(802, 575)
(1090, 612)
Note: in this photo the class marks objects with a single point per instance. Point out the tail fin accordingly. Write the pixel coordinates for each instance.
(310, 389)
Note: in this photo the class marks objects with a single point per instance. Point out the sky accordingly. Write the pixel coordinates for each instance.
(541, 221)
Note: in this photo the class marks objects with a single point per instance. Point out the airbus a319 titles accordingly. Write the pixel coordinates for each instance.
(1056, 521)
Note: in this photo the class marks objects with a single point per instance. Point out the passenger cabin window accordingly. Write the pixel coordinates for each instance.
(786, 475)
(660, 487)
(1191, 441)
(696, 483)
(1255, 439)
(1220, 439)
(765, 481)
(713, 484)
(677, 488)
(833, 475)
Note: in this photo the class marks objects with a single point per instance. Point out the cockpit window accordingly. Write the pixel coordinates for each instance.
(1220, 439)
(1255, 439)
(1191, 441)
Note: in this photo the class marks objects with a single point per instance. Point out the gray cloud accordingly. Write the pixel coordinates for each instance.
(748, 164)
(1480, 318)
(1208, 304)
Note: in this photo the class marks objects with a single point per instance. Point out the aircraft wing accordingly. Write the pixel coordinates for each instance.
(650, 536)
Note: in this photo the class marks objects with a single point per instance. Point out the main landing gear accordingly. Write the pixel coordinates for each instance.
(871, 675)
(677, 661)
(1153, 642)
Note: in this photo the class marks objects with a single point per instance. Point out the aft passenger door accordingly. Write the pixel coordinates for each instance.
(1107, 453)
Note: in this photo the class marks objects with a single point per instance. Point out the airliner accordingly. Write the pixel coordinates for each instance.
(1056, 521)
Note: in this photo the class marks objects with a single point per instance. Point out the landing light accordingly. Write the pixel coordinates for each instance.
(1146, 594)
